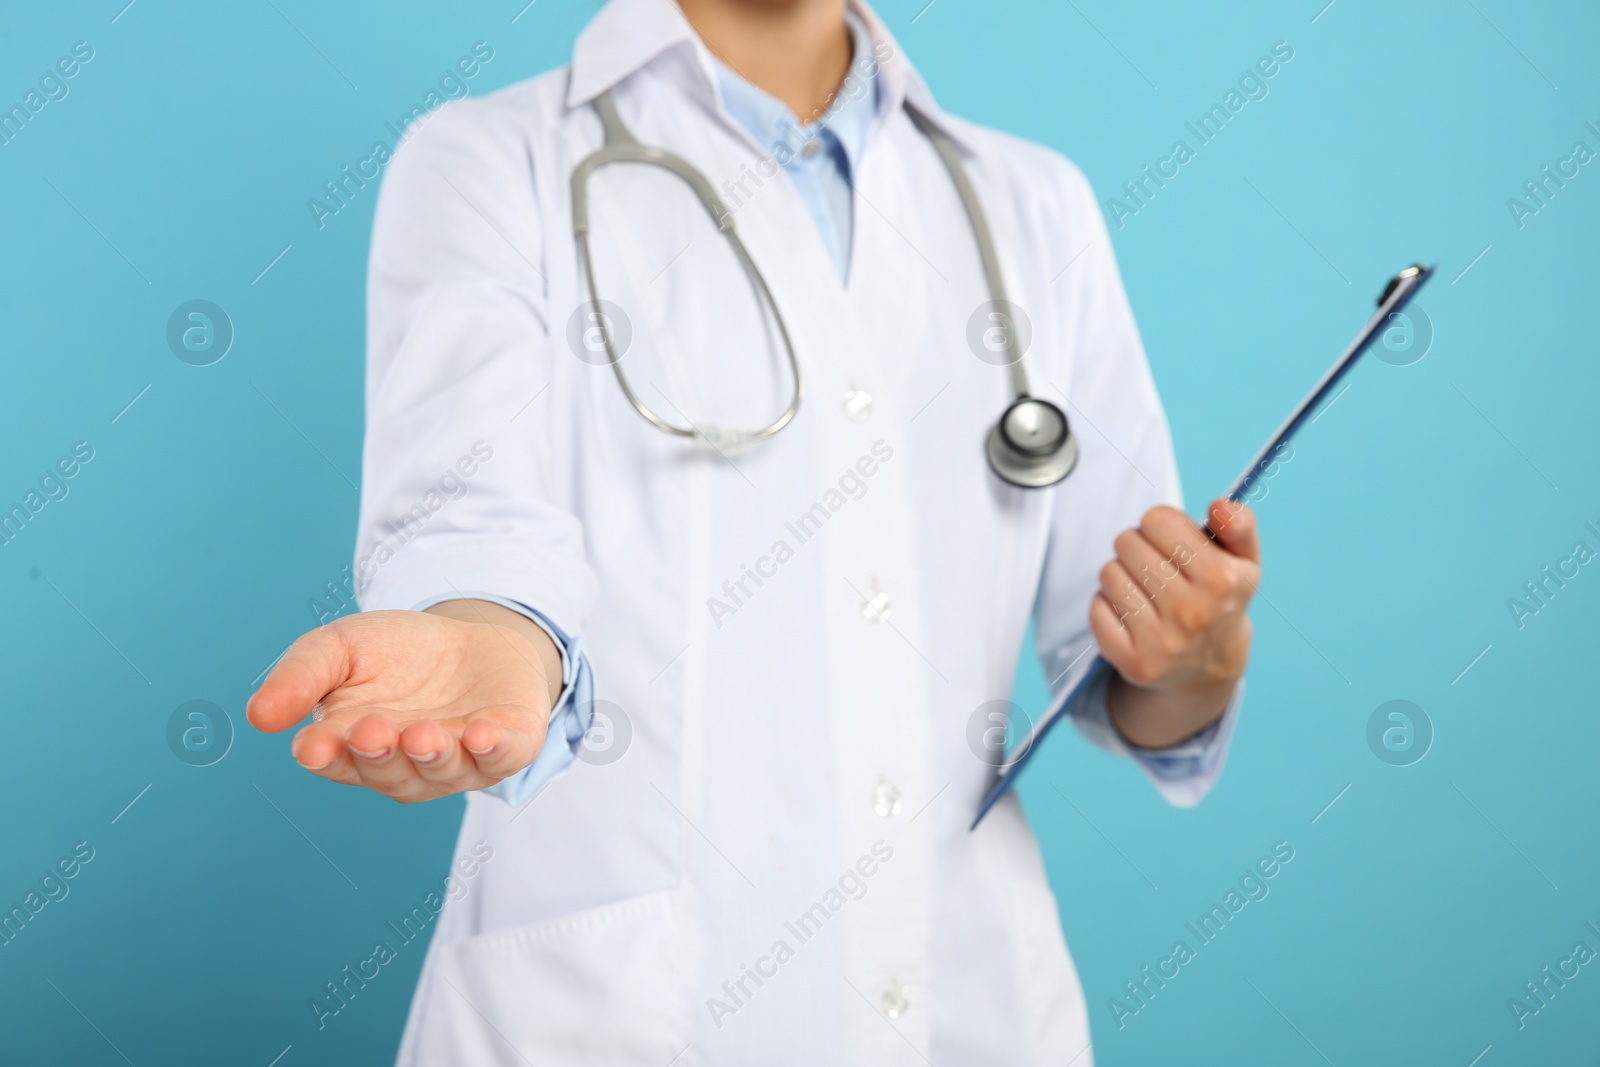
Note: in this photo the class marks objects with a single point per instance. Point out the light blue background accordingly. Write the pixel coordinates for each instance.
(181, 562)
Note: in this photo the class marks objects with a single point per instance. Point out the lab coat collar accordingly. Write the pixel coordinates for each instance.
(625, 36)
(629, 35)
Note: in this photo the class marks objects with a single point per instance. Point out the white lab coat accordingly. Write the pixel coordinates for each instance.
(782, 750)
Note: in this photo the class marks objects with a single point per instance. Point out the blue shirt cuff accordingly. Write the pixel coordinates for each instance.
(569, 716)
(1182, 773)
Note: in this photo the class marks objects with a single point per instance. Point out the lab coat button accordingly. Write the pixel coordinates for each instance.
(875, 608)
(886, 799)
(811, 148)
(857, 404)
(895, 1002)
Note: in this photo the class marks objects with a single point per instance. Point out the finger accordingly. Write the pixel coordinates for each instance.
(1132, 607)
(374, 744)
(437, 755)
(1114, 639)
(1176, 598)
(320, 748)
(1210, 567)
(315, 665)
(1175, 535)
(1235, 527)
(498, 746)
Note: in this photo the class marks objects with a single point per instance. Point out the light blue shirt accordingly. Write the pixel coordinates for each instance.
(821, 159)
(1186, 763)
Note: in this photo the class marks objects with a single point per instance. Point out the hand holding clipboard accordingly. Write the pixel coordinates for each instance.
(1395, 296)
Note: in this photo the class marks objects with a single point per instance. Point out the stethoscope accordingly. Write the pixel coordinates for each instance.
(1031, 445)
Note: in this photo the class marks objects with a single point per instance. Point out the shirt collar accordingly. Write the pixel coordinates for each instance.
(628, 35)
(846, 120)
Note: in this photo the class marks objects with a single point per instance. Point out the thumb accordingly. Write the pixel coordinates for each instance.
(1235, 527)
(315, 665)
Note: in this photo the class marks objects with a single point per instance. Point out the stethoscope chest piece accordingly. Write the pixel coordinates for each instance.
(1031, 445)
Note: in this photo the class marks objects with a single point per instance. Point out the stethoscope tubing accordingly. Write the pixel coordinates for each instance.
(620, 146)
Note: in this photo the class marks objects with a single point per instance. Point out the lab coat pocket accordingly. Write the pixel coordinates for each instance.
(604, 986)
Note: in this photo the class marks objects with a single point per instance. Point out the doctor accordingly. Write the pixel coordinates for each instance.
(721, 706)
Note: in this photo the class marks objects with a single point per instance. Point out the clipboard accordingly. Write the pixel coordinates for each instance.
(1401, 288)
